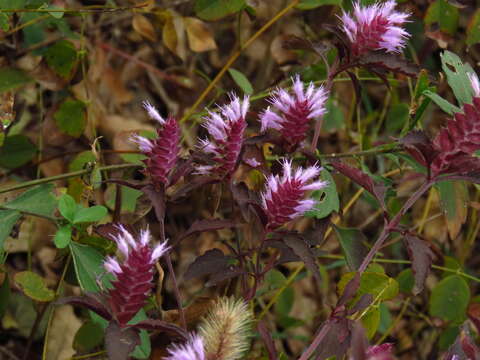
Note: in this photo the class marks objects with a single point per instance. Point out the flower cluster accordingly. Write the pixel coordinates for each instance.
(283, 199)
(134, 274)
(193, 349)
(226, 129)
(293, 112)
(162, 152)
(380, 352)
(375, 27)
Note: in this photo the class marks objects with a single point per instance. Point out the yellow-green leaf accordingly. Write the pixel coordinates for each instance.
(34, 286)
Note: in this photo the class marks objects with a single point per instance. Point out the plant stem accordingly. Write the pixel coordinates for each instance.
(392, 224)
(235, 56)
(87, 9)
(65, 176)
(316, 342)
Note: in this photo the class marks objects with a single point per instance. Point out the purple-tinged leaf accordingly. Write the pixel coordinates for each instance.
(359, 343)
(266, 336)
(419, 146)
(111, 231)
(363, 303)
(212, 261)
(380, 352)
(157, 197)
(162, 326)
(350, 290)
(226, 274)
(183, 168)
(192, 184)
(421, 255)
(304, 252)
(362, 179)
(337, 340)
(89, 302)
(463, 348)
(200, 226)
(389, 62)
(119, 342)
(293, 42)
(356, 86)
(353, 245)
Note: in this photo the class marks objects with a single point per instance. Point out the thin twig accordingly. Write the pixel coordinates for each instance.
(87, 9)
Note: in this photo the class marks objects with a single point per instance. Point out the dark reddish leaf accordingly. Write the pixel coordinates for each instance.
(192, 184)
(361, 304)
(253, 157)
(110, 230)
(356, 86)
(162, 326)
(359, 343)
(315, 236)
(350, 290)
(200, 226)
(304, 252)
(211, 262)
(353, 245)
(362, 179)
(89, 302)
(119, 342)
(266, 336)
(421, 255)
(183, 168)
(293, 42)
(419, 146)
(463, 348)
(337, 340)
(157, 198)
(389, 62)
(221, 276)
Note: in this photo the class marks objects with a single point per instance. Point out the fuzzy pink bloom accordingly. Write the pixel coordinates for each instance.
(375, 27)
(475, 83)
(293, 112)
(380, 352)
(193, 349)
(134, 274)
(162, 152)
(226, 129)
(283, 199)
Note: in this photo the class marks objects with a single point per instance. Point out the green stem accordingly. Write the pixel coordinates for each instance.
(65, 176)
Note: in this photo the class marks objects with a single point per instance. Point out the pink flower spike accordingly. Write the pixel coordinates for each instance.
(475, 83)
(293, 112)
(226, 129)
(380, 352)
(283, 199)
(193, 349)
(134, 273)
(162, 152)
(375, 27)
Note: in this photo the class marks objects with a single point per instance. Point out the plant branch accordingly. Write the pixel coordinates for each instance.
(316, 342)
(235, 56)
(87, 9)
(65, 176)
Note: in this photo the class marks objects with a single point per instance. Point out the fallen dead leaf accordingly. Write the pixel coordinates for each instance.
(144, 27)
(200, 36)
(65, 325)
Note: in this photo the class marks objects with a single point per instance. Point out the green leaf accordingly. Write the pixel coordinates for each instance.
(445, 15)
(457, 77)
(62, 57)
(88, 264)
(442, 103)
(5, 293)
(449, 299)
(334, 119)
(34, 286)
(473, 29)
(70, 117)
(379, 285)
(17, 150)
(38, 200)
(129, 197)
(91, 214)
(406, 281)
(422, 83)
(352, 242)
(397, 117)
(11, 79)
(88, 337)
(371, 321)
(63, 236)
(8, 218)
(241, 80)
(312, 4)
(453, 202)
(67, 207)
(327, 198)
(217, 9)
(4, 22)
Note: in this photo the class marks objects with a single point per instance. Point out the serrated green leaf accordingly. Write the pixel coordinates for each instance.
(457, 77)
(62, 57)
(67, 207)
(38, 200)
(63, 236)
(442, 103)
(91, 214)
(312, 4)
(34, 286)
(70, 117)
(241, 80)
(8, 218)
(11, 79)
(327, 198)
(473, 29)
(449, 299)
(217, 9)
(17, 150)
